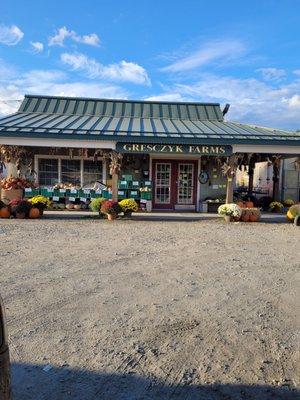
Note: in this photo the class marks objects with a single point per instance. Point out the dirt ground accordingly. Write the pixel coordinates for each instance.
(152, 309)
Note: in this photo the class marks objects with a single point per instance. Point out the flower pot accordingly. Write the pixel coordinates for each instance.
(111, 217)
(227, 218)
(20, 215)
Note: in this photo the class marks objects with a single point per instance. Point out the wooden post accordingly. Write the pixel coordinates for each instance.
(251, 178)
(276, 171)
(229, 170)
(229, 190)
(115, 179)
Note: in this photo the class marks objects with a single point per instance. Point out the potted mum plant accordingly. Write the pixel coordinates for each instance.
(276, 206)
(22, 209)
(40, 202)
(111, 209)
(95, 205)
(128, 207)
(230, 212)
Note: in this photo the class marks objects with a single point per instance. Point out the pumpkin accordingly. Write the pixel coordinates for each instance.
(245, 216)
(293, 211)
(241, 204)
(34, 213)
(249, 204)
(4, 212)
(77, 206)
(253, 217)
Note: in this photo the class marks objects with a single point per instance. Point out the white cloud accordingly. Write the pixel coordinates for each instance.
(166, 97)
(37, 47)
(10, 35)
(63, 33)
(272, 74)
(14, 84)
(294, 101)
(210, 52)
(252, 100)
(123, 71)
(297, 72)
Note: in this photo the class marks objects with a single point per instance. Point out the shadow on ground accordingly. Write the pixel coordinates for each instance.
(32, 382)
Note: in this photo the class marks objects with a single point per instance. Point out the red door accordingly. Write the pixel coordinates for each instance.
(174, 184)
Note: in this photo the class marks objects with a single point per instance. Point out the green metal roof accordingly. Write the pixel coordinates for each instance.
(134, 121)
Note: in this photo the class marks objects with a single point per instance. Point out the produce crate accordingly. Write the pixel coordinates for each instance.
(106, 194)
(59, 192)
(146, 195)
(133, 194)
(135, 185)
(147, 184)
(29, 192)
(127, 178)
(122, 194)
(72, 192)
(84, 193)
(123, 184)
(95, 194)
(47, 192)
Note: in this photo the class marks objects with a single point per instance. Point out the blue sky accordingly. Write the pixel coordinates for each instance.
(243, 53)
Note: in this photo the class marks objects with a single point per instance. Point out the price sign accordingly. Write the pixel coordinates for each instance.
(55, 198)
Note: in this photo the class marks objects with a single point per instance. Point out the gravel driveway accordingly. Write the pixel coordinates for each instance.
(151, 309)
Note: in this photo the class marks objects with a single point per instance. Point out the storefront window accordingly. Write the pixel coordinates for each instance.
(48, 172)
(92, 172)
(70, 171)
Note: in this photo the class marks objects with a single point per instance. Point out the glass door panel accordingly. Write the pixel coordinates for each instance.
(185, 187)
(162, 183)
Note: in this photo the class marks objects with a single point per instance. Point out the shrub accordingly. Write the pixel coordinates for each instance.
(129, 205)
(40, 202)
(276, 206)
(288, 202)
(232, 210)
(23, 207)
(110, 207)
(95, 204)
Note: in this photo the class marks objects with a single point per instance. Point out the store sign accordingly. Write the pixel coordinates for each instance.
(208, 150)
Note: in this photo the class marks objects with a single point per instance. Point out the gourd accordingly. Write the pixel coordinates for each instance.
(241, 204)
(4, 212)
(34, 213)
(293, 211)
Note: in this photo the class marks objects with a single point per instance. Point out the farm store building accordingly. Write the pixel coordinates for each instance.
(186, 152)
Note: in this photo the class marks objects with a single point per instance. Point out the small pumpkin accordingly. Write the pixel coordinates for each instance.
(77, 206)
(241, 204)
(4, 212)
(34, 213)
(249, 204)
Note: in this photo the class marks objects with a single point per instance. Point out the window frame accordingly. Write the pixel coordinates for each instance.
(37, 157)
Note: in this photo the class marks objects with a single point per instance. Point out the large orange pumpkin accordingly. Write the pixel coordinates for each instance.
(249, 204)
(4, 212)
(34, 213)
